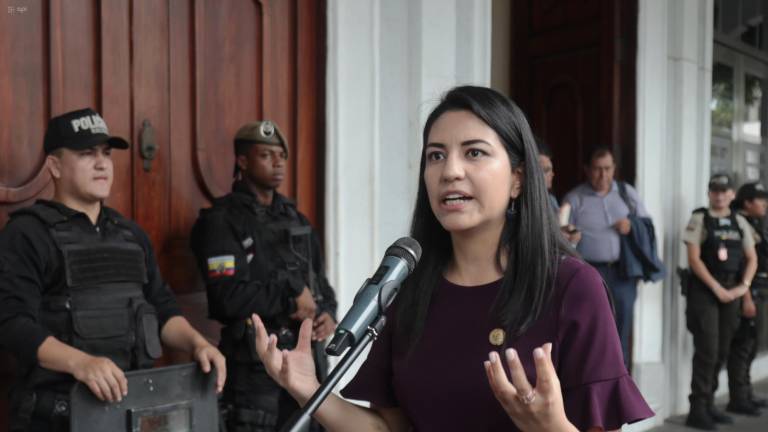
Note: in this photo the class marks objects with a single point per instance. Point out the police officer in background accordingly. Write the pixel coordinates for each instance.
(751, 202)
(259, 254)
(81, 295)
(721, 255)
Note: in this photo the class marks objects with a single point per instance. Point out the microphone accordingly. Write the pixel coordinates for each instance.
(376, 294)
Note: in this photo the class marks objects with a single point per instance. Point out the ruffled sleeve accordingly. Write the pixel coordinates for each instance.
(597, 390)
(374, 380)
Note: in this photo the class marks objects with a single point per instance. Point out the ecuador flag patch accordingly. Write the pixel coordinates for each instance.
(223, 265)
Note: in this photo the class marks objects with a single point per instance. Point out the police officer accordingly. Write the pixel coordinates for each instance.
(258, 254)
(81, 295)
(751, 201)
(721, 255)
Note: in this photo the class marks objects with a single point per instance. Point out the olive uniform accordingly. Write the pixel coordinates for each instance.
(258, 259)
(712, 323)
(94, 287)
(744, 345)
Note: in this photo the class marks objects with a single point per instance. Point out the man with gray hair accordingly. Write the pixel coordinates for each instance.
(600, 209)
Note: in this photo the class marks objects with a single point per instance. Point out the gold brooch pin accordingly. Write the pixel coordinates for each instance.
(496, 337)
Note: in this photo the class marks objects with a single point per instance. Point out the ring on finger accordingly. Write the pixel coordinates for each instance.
(528, 398)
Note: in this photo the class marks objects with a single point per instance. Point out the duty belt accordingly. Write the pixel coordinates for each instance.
(728, 280)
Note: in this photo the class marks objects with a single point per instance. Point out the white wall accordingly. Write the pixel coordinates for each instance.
(388, 63)
(673, 87)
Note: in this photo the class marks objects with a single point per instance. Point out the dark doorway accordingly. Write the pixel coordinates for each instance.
(572, 70)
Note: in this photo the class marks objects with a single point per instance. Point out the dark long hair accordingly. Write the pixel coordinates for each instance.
(530, 238)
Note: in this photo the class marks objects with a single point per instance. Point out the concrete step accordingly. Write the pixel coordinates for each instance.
(741, 423)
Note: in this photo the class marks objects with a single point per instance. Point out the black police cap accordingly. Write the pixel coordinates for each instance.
(750, 191)
(720, 182)
(79, 130)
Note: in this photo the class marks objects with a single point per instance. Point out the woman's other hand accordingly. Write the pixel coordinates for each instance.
(293, 370)
(537, 408)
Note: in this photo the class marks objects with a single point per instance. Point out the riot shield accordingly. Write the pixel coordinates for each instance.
(179, 398)
(686, 279)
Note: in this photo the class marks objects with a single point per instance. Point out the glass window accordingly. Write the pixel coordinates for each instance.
(742, 22)
(716, 21)
(751, 129)
(721, 105)
(729, 17)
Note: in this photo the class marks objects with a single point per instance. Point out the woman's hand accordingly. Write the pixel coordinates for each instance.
(293, 370)
(532, 409)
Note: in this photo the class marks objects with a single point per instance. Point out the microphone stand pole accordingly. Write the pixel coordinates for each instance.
(299, 421)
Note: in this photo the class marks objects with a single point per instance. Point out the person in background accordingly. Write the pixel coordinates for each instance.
(545, 162)
(601, 213)
(751, 202)
(722, 259)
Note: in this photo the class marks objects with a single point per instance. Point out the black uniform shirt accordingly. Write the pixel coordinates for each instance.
(31, 265)
(250, 283)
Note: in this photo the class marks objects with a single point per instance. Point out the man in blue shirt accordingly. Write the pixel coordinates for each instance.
(601, 214)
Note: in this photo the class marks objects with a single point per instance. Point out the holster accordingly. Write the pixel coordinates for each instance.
(686, 277)
(250, 337)
(232, 345)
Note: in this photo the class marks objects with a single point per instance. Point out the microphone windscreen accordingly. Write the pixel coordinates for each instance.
(407, 249)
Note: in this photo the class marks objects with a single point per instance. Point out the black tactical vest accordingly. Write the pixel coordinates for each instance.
(722, 233)
(280, 233)
(102, 310)
(277, 231)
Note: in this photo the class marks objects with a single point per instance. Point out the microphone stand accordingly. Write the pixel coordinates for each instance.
(300, 420)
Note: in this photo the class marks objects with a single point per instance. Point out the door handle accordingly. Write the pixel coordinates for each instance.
(148, 144)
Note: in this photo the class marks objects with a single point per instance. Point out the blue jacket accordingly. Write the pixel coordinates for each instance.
(638, 258)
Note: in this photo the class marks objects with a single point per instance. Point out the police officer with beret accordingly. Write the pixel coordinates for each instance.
(721, 255)
(751, 202)
(81, 295)
(259, 254)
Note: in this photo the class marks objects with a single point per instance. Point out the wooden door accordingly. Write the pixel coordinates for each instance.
(573, 73)
(193, 71)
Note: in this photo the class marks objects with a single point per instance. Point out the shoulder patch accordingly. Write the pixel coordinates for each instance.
(696, 220)
(220, 266)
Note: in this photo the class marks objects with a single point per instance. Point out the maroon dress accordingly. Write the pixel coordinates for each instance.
(442, 386)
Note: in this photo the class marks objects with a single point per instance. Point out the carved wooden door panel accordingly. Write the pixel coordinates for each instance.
(226, 63)
(574, 75)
